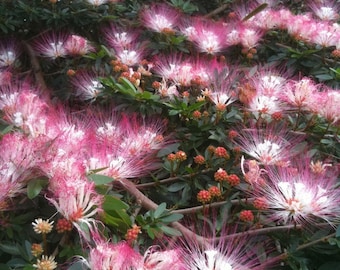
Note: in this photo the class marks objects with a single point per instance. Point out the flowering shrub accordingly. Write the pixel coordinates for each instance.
(169, 135)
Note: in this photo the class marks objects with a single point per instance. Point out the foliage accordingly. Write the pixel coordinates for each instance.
(199, 100)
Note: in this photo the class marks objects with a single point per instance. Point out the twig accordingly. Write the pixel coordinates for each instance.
(207, 206)
(217, 10)
(284, 256)
(36, 69)
(170, 179)
(151, 205)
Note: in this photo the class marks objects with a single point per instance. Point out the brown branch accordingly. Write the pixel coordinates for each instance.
(216, 11)
(170, 179)
(36, 69)
(151, 205)
(207, 206)
(284, 256)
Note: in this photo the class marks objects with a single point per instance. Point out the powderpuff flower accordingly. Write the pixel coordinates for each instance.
(265, 105)
(155, 259)
(269, 146)
(26, 108)
(324, 35)
(87, 85)
(218, 253)
(77, 45)
(100, 2)
(328, 107)
(121, 256)
(325, 10)
(299, 196)
(223, 92)
(18, 161)
(77, 201)
(5, 77)
(174, 68)
(250, 37)
(268, 81)
(167, 91)
(160, 18)
(133, 153)
(208, 36)
(9, 53)
(118, 37)
(132, 56)
(51, 45)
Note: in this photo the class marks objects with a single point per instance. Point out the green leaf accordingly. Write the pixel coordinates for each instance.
(113, 203)
(170, 231)
(100, 179)
(337, 234)
(35, 186)
(160, 210)
(171, 218)
(10, 248)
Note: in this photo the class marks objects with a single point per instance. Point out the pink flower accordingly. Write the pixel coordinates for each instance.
(77, 45)
(5, 78)
(87, 85)
(132, 56)
(218, 253)
(223, 93)
(301, 94)
(325, 10)
(100, 2)
(177, 69)
(118, 37)
(297, 195)
(106, 255)
(19, 160)
(328, 107)
(9, 53)
(26, 108)
(51, 45)
(155, 259)
(160, 18)
(270, 146)
(208, 36)
(250, 37)
(77, 201)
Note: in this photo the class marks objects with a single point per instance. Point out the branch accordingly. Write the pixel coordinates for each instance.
(170, 179)
(284, 256)
(151, 205)
(216, 11)
(36, 68)
(211, 205)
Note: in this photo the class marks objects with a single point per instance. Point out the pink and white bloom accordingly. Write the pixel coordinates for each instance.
(87, 85)
(18, 160)
(301, 94)
(77, 45)
(26, 108)
(223, 92)
(219, 254)
(299, 196)
(132, 56)
(325, 10)
(328, 107)
(160, 18)
(100, 2)
(51, 45)
(77, 201)
(9, 53)
(270, 146)
(119, 38)
(208, 36)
